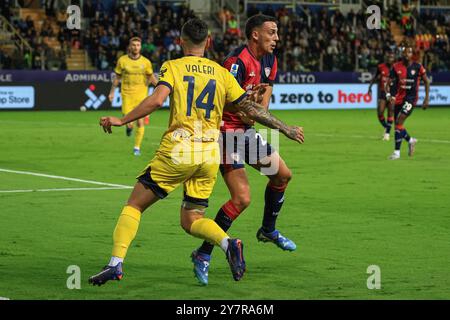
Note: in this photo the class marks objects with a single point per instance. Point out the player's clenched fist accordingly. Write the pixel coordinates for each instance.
(108, 122)
(295, 133)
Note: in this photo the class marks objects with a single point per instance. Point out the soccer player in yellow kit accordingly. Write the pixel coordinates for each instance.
(135, 72)
(189, 153)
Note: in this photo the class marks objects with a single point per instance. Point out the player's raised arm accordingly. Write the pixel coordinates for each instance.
(147, 106)
(255, 111)
(258, 113)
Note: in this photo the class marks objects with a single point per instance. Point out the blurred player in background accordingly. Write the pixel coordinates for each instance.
(382, 75)
(403, 88)
(135, 72)
(199, 90)
(252, 65)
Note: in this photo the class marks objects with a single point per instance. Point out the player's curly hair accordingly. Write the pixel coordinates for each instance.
(195, 30)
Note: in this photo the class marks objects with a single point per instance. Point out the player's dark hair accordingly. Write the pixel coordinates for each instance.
(195, 30)
(256, 21)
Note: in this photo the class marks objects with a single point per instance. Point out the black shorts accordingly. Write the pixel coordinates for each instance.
(381, 95)
(405, 107)
(241, 147)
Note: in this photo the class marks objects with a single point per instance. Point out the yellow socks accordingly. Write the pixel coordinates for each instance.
(125, 231)
(139, 136)
(209, 230)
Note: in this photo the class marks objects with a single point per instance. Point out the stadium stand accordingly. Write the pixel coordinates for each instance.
(313, 37)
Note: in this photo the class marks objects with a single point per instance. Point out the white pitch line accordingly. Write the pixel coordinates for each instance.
(63, 189)
(66, 178)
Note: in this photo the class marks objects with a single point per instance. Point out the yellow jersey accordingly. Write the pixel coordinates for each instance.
(134, 74)
(199, 90)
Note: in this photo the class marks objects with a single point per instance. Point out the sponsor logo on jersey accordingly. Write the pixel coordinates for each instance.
(162, 71)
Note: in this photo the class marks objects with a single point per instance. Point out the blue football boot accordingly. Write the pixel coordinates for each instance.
(235, 257)
(276, 237)
(136, 151)
(201, 266)
(108, 273)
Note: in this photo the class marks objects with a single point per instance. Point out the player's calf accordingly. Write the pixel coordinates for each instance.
(224, 218)
(274, 198)
(382, 120)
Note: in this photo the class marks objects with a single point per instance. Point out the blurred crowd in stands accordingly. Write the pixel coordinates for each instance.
(328, 40)
(41, 53)
(320, 40)
(159, 26)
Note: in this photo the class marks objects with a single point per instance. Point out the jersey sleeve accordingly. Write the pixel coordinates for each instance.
(149, 68)
(234, 91)
(236, 68)
(166, 77)
(273, 71)
(119, 67)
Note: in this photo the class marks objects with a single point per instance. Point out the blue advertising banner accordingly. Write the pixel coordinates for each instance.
(54, 76)
(344, 77)
(17, 97)
(341, 96)
(282, 78)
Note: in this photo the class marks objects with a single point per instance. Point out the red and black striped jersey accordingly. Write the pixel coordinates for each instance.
(406, 81)
(249, 72)
(384, 71)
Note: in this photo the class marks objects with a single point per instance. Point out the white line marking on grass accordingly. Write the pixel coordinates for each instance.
(66, 178)
(63, 189)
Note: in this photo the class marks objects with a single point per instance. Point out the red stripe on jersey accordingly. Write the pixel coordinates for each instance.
(250, 72)
(383, 70)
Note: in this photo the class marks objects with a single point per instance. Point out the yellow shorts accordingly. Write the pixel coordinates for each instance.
(163, 175)
(131, 101)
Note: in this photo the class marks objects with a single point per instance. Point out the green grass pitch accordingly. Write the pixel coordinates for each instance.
(347, 208)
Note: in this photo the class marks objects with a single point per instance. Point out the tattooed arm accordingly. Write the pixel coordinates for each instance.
(258, 113)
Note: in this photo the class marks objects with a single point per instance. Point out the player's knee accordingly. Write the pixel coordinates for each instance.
(282, 178)
(241, 201)
(186, 225)
(189, 213)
